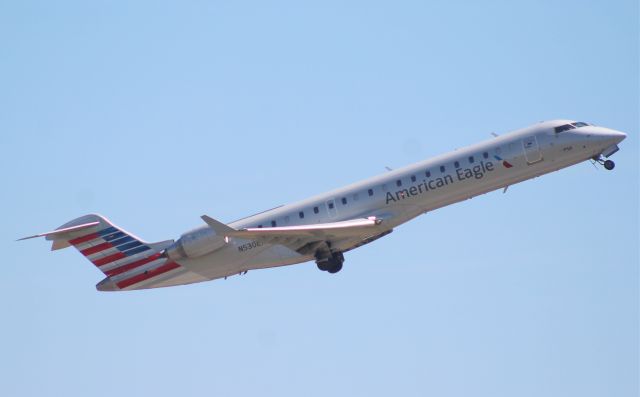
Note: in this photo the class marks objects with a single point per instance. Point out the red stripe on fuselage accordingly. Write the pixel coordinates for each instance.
(84, 239)
(97, 248)
(132, 265)
(148, 274)
(109, 259)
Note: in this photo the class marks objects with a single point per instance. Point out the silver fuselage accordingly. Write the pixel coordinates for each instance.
(400, 195)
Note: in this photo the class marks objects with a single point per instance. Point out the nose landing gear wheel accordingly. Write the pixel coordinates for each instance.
(609, 165)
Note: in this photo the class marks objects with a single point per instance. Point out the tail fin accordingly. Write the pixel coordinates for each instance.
(124, 258)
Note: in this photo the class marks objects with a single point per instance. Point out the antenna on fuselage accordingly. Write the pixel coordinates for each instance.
(495, 135)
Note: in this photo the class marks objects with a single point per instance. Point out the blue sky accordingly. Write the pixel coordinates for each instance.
(154, 113)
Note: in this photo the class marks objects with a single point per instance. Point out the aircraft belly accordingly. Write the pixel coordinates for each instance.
(231, 261)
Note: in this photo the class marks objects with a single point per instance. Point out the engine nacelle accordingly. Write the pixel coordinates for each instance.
(196, 243)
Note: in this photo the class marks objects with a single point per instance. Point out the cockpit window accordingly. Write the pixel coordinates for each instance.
(564, 128)
(580, 124)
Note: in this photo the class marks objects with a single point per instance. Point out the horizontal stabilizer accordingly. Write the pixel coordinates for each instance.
(52, 235)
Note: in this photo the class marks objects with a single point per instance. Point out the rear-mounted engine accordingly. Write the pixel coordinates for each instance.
(195, 244)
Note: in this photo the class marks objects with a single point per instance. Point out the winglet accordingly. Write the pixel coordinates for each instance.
(220, 228)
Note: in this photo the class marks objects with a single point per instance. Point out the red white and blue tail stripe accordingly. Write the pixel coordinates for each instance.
(127, 261)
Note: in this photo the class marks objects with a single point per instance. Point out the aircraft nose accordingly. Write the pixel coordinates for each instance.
(608, 136)
(616, 136)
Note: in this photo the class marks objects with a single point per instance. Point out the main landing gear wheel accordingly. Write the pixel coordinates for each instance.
(336, 268)
(332, 264)
(609, 165)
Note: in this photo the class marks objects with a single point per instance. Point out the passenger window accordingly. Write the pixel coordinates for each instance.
(260, 226)
(398, 183)
(413, 178)
(331, 205)
(273, 223)
(315, 210)
(370, 192)
(485, 155)
(442, 168)
(301, 214)
(344, 200)
(428, 174)
(471, 159)
(457, 164)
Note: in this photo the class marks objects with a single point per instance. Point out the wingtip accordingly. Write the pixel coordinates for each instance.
(218, 226)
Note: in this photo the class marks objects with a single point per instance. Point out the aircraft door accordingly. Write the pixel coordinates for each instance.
(531, 150)
(332, 210)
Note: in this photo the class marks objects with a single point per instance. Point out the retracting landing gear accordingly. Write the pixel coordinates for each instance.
(608, 164)
(331, 263)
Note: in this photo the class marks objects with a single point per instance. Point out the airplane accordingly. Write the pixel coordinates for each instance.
(324, 227)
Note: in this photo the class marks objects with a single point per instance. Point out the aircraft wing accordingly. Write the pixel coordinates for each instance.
(348, 228)
(299, 236)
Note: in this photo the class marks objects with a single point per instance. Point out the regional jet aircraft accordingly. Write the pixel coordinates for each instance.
(324, 227)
